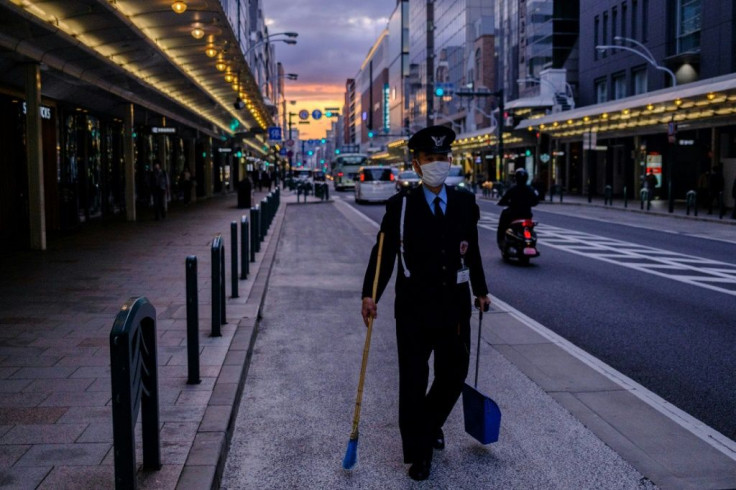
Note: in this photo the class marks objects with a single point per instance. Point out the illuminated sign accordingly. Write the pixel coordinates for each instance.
(386, 112)
(164, 130)
(45, 111)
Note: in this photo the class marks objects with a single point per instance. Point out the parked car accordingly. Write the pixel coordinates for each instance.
(374, 183)
(408, 179)
(456, 178)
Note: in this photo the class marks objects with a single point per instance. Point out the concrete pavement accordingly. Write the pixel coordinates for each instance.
(566, 424)
(569, 421)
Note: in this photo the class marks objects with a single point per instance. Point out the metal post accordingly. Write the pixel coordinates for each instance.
(192, 322)
(252, 234)
(234, 258)
(244, 254)
(216, 285)
(264, 218)
(222, 285)
(257, 225)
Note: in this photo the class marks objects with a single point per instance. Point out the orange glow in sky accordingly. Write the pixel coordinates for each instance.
(310, 97)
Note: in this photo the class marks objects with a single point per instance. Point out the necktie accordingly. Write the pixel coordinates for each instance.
(437, 208)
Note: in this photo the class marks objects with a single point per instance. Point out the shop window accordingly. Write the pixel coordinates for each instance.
(639, 78)
(689, 21)
(619, 86)
(601, 91)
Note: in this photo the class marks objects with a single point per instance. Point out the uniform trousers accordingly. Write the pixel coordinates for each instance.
(422, 412)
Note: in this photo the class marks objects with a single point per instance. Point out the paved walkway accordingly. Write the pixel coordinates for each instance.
(299, 368)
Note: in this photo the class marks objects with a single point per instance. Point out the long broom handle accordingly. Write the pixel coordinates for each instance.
(477, 352)
(367, 346)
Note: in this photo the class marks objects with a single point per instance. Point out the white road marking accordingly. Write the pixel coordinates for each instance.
(688, 269)
(685, 420)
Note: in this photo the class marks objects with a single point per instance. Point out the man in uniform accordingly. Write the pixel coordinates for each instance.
(433, 232)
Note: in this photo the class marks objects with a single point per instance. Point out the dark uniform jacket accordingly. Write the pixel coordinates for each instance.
(432, 254)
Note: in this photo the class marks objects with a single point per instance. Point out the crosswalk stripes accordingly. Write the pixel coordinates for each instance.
(696, 271)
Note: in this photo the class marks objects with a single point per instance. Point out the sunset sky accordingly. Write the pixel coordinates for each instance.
(334, 38)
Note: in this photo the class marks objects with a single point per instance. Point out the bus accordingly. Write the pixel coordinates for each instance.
(345, 169)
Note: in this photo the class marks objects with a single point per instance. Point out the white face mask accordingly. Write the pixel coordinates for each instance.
(434, 173)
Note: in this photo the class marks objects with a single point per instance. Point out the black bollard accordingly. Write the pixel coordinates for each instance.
(244, 255)
(257, 225)
(252, 235)
(192, 322)
(218, 289)
(234, 258)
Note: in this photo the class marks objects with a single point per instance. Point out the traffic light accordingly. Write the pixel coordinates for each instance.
(528, 153)
(310, 153)
(337, 151)
(439, 90)
(323, 140)
(370, 133)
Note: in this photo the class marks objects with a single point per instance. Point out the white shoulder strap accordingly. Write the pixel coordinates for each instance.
(401, 238)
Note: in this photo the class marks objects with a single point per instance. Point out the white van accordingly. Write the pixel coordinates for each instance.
(374, 183)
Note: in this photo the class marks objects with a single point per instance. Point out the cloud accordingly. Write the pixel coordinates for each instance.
(334, 38)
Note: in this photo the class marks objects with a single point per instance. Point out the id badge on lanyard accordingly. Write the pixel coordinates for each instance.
(463, 274)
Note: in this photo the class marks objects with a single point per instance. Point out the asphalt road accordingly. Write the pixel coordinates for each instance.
(657, 306)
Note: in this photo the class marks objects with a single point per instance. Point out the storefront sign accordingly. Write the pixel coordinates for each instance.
(163, 130)
(654, 165)
(45, 111)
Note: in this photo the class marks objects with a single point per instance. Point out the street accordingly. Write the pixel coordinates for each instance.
(656, 306)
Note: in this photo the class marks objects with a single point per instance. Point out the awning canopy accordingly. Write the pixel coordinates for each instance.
(141, 52)
(711, 101)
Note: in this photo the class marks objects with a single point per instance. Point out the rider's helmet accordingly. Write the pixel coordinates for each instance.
(521, 176)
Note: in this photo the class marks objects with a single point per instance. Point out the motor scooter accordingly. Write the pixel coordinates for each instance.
(519, 241)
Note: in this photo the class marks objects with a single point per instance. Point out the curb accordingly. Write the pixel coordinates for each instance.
(208, 454)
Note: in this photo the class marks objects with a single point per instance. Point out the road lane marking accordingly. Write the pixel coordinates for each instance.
(709, 435)
(688, 269)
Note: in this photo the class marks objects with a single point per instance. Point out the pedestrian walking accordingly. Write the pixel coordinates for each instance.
(651, 184)
(186, 184)
(160, 186)
(715, 187)
(432, 232)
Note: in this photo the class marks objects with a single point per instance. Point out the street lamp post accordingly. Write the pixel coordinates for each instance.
(649, 57)
(644, 53)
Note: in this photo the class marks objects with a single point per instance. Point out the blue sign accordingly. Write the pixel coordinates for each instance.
(274, 133)
(282, 152)
(316, 114)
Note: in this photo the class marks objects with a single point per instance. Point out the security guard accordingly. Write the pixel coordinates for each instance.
(432, 230)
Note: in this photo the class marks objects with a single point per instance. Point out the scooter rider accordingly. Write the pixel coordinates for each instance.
(520, 199)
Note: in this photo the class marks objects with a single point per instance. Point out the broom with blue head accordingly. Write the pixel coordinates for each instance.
(351, 455)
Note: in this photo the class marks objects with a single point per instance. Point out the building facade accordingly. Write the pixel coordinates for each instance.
(90, 106)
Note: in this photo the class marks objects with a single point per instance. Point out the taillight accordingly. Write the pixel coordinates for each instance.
(339, 174)
(392, 177)
(527, 234)
(362, 177)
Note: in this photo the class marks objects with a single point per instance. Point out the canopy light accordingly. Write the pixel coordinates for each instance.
(211, 51)
(220, 65)
(229, 77)
(197, 33)
(179, 7)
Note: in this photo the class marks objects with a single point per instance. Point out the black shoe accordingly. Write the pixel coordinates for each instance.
(438, 440)
(420, 470)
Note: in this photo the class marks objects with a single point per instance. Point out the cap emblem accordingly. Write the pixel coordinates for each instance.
(438, 140)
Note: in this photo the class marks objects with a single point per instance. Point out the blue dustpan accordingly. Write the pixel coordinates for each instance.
(482, 415)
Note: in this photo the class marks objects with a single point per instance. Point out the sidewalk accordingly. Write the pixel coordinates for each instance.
(568, 421)
(56, 311)
(297, 368)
